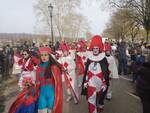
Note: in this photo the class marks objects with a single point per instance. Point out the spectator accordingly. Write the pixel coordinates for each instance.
(25, 45)
(1, 61)
(114, 48)
(139, 60)
(9, 59)
(16, 68)
(122, 58)
(143, 86)
(57, 45)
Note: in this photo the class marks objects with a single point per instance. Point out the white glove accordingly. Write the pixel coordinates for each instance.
(103, 88)
(85, 84)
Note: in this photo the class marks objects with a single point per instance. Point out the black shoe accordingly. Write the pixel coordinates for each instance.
(119, 74)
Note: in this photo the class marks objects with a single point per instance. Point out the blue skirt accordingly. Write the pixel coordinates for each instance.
(32, 108)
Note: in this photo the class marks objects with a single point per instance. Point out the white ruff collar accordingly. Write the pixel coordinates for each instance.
(96, 58)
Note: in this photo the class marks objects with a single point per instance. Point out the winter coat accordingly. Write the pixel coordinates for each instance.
(143, 81)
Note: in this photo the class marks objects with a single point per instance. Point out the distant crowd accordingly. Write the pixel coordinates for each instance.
(124, 52)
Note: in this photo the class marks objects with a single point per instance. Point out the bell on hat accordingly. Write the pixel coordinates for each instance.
(96, 41)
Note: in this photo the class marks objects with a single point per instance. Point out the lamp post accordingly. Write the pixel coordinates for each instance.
(50, 8)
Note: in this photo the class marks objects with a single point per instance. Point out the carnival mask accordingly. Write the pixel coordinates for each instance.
(96, 50)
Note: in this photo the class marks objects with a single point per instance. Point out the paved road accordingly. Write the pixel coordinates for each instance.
(123, 100)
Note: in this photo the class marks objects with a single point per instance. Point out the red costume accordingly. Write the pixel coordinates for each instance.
(79, 65)
(96, 76)
(107, 46)
(80, 57)
(28, 65)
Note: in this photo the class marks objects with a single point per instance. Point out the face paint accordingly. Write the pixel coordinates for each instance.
(65, 53)
(96, 50)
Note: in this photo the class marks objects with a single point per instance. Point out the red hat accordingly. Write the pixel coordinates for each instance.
(96, 41)
(45, 49)
(81, 44)
(107, 47)
(64, 47)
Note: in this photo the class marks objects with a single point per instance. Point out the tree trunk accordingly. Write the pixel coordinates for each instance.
(132, 40)
(147, 37)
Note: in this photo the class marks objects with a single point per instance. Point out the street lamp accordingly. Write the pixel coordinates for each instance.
(50, 8)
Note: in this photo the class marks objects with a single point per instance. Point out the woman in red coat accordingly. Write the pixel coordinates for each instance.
(28, 63)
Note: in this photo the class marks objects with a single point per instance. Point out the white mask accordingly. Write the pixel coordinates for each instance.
(96, 50)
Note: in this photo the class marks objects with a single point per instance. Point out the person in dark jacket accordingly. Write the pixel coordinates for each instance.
(1, 61)
(122, 58)
(139, 60)
(143, 85)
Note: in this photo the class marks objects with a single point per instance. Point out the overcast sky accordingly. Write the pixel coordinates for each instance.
(17, 16)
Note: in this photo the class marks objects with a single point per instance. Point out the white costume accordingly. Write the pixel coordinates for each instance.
(69, 74)
(112, 67)
(16, 66)
(113, 74)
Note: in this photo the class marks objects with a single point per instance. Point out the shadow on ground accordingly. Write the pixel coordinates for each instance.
(2, 97)
(6, 92)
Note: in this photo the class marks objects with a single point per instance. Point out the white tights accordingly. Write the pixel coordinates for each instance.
(44, 111)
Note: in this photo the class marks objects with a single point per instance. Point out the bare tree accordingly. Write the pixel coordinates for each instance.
(67, 22)
(140, 10)
(134, 30)
(121, 26)
(117, 27)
